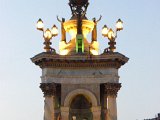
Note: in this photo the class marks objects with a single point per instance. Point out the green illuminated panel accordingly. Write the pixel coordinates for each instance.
(79, 44)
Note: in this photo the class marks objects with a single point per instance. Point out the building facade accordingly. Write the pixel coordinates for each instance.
(79, 83)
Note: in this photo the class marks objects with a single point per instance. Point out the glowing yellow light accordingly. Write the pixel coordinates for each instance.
(95, 45)
(54, 30)
(73, 33)
(105, 31)
(40, 25)
(47, 34)
(94, 48)
(64, 52)
(62, 45)
(62, 48)
(85, 33)
(119, 25)
(110, 34)
(94, 52)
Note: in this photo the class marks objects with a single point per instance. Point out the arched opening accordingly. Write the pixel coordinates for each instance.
(80, 108)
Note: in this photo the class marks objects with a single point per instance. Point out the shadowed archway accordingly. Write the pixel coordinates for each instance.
(80, 108)
(89, 95)
(80, 101)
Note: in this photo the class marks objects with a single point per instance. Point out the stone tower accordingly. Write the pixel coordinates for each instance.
(79, 83)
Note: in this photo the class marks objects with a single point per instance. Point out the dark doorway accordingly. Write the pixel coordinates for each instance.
(80, 108)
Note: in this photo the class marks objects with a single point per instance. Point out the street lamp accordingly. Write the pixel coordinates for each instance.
(47, 35)
(40, 25)
(105, 31)
(119, 25)
(54, 30)
(112, 35)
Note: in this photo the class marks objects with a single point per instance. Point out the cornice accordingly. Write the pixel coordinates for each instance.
(107, 60)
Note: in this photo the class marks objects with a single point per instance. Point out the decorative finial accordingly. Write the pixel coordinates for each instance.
(78, 7)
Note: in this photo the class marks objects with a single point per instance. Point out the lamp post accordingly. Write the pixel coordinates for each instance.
(112, 35)
(47, 35)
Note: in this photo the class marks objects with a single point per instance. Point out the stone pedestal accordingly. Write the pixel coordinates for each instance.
(92, 79)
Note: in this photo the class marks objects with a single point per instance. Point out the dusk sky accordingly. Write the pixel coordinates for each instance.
(20, 95)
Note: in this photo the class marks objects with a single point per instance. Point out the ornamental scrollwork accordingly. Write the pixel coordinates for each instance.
(111, 89)
(48, 89)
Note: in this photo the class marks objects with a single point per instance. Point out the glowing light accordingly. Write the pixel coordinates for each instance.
(64, 52)
(110, 34)
(47, 34)
(62, 48)
(94, 47)
(40, 25)
(105, 31)
(94, 52)
(73, 33)
(79, 43)
(62, 45)
(119, 25)
(54, 30)
(85, 32)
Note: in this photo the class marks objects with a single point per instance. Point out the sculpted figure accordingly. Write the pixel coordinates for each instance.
(94, 31)
(63, 32)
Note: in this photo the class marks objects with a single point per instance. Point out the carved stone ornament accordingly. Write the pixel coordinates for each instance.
(48, 89)
(111, 89)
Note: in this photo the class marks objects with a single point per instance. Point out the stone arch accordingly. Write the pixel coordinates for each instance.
(89, 95)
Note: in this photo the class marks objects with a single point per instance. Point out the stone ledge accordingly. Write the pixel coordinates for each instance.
(107, 60)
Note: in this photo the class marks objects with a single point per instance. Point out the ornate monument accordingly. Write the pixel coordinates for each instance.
(79, 83)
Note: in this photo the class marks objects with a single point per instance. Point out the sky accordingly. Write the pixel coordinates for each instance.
(20, 96)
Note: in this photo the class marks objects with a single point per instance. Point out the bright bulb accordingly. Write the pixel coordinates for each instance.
(54, 30)
(119, 25)
(40, 25)
(105, 31)
(110, 34)
(47, 34)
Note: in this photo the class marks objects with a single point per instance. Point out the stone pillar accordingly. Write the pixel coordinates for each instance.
(112, 108)
(49, 90)
(64, 113)
(49, 108)
(111, 90)
(105, 106)
(96, 111)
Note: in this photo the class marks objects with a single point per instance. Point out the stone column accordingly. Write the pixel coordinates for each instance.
(64, 113)
(105, 106)
(111, 90)
(96, 111)
(49, 90)
(112, 108)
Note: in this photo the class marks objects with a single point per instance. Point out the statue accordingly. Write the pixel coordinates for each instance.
(63, 32)
(94, 31)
